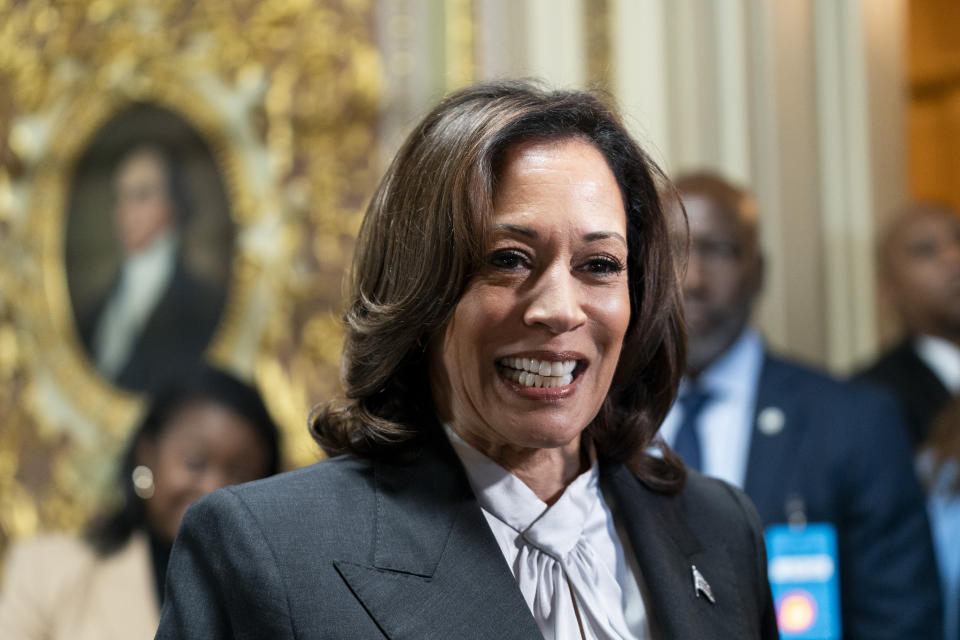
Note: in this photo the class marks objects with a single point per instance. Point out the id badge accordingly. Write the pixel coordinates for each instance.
(802, 567)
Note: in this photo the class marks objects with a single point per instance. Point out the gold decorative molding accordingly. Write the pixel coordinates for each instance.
(285, 94)
(596, 14)
(460, 43)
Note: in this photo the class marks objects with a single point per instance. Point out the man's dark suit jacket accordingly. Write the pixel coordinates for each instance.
(920, 391)
(843, 454)
(350, 548)
(174, 338)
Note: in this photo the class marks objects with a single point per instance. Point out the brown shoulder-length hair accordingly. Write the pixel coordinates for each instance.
(423, 237)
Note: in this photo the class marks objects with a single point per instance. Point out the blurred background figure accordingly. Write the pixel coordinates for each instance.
(940, 466)
(157, 317)
(804, 446)
(920, 275)
(204, 432)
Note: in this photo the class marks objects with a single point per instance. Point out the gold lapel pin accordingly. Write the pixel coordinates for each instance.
(700, 585)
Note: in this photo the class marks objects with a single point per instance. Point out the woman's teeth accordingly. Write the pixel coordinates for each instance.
(530, 372)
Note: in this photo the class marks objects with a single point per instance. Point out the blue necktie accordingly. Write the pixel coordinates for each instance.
(687, 444)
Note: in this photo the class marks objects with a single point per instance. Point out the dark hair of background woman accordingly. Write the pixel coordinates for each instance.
(423, 237)
(110, 533)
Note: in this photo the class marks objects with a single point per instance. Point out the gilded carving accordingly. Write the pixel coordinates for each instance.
(596, 19)
(285, 95)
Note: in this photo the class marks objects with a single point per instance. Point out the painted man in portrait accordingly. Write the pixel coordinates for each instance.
(157, 318)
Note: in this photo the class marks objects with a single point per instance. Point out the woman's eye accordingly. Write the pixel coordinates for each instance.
(603, 266)
(508, 259)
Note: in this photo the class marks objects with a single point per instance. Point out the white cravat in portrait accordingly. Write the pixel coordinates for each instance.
(144, 279)
(568, 558)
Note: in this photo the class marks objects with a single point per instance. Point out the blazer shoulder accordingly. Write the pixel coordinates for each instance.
(716, 503)
(719, 511)
(788, 377)
(890, 364)
(798, 375)
(330, 481)
(712, 510)
(317, 503)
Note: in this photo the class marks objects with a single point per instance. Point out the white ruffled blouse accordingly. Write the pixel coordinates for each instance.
(577, 577)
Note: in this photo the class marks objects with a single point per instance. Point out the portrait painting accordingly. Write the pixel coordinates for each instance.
(149, 242)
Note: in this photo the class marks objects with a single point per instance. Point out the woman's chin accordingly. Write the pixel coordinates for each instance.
(545, 432)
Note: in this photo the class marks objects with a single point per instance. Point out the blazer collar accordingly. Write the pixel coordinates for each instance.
(437, 570)
(666, 552)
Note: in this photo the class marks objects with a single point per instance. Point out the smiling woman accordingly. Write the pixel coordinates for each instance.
(514, 339)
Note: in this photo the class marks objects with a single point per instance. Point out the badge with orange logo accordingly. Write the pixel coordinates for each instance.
(803, 578)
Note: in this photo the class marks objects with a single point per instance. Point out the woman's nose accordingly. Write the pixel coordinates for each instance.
(555, 302)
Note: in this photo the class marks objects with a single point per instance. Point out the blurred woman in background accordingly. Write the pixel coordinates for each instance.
(203, 432)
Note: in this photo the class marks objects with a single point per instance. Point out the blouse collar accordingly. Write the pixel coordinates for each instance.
(554, 529)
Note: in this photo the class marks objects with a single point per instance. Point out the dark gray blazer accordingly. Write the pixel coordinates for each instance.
(350, 548)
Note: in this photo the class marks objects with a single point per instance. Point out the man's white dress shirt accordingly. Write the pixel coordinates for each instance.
(943, 358)
(726, 421)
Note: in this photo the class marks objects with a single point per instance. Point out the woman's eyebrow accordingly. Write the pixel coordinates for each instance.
(516, 228)
(593, 236)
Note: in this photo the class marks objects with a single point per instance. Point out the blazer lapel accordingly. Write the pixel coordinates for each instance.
(774, 442)
(437, 571)
(666, 553)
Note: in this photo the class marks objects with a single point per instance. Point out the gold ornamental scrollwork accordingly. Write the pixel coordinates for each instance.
(285, 95)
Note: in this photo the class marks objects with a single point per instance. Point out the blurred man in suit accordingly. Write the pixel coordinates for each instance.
(920, 274)
(802, 445)
(157, 318)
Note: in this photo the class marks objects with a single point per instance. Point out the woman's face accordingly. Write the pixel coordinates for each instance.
(204, 447)
(531, 349)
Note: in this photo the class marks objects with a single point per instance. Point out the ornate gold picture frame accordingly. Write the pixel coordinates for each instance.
(148, 246)
(285, 96)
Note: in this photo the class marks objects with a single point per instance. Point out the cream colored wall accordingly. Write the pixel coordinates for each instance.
(799, 99)
(802, 100)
